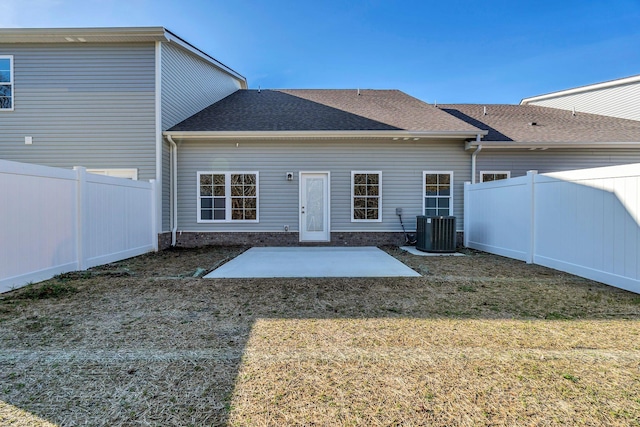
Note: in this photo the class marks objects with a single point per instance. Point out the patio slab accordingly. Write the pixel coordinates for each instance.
(312, 262)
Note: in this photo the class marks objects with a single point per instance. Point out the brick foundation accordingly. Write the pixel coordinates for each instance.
(193, 240)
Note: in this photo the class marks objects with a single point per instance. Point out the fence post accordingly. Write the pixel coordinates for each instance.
(154, 215)
(81, 215)
(531, 181)
(467, 214)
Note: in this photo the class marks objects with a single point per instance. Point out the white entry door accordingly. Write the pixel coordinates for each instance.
(314, 207)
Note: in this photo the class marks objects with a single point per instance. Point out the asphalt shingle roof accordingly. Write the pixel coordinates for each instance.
(320, 110)
(514, 123)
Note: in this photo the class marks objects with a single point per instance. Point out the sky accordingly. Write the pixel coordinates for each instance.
(446, 51)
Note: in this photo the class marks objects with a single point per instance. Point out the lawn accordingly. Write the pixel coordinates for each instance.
(478, 340)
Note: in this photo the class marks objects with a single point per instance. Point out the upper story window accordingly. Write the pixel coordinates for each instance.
(366, 196)
(6, 83)
(227, 196)
(438, 193)
(486, 176)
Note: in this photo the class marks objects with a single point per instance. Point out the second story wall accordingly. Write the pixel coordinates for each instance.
(85, 104)
(619, 98)
(189, 84)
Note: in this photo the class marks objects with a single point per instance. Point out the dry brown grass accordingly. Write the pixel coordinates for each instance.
(479, 340)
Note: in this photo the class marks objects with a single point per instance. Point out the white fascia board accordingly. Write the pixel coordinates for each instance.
(548, 145)
(173, 38)
(588, 88)
(398, 135)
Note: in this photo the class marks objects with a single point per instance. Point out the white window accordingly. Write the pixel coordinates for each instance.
(227, 196)
(366, 196)
(438, 193)
(6, 83)
(118, 173)
(486, 176)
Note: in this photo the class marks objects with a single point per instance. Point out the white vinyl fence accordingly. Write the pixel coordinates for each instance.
(585, 222)
(58, 220)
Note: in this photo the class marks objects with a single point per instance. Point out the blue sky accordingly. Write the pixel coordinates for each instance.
(492, 51)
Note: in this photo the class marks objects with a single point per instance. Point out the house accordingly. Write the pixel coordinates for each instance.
(294, 166)
(101, 97)
(267, 167)
(617, 98)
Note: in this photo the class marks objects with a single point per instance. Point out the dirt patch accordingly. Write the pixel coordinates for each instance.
(477, 340)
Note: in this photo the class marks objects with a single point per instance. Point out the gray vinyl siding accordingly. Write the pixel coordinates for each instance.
(519, 162)
(189, 84)
(86, 105)
(618, 101)
(402, 165)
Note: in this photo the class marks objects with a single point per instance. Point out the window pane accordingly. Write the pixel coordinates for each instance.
(445, 190)
(430, 202)
(5, 90)
(237, 214)
(250, 179)
(359, 202)
(218, 215)
(250, 191)
(5, 102)
(250, 203)
(206, 190)
(206, 203)
(431, 179)
(501, 176)
(251, 214)
(5, 76)
(358, 214)
(236, 179)
(430, 212)
(218, 180)
(431, 190)
(206, 179)
(236, 190)
(218, 191)
(372, 214)
(219, 203)
(443, 178)
(372, 190)
(443, 203)
(359, 190)
(206, 214)
(372, 179)
(236, 203)
(372, 203)
(359, 179)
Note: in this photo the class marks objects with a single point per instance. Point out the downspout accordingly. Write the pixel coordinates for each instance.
(473, 161)
(173, 189)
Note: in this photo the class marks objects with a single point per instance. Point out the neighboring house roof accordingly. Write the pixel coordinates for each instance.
(581, 89)
(108, 35)
(318, 110)
(524, 125)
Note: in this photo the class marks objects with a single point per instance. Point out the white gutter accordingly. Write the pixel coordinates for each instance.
(315, 134)
(173, 189)
(550, 145)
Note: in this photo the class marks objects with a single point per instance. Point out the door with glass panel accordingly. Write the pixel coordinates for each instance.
(314, 207)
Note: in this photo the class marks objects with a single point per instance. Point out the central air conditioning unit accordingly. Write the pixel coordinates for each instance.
(436, 233)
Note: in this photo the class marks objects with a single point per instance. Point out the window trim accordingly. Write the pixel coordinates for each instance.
(227, 186)
(424, 195)
(10, 83)
(379, 173)
(482, 173)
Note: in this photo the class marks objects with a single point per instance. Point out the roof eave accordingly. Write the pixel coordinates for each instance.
(549, 145)
(324, 134)
(63, 35)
